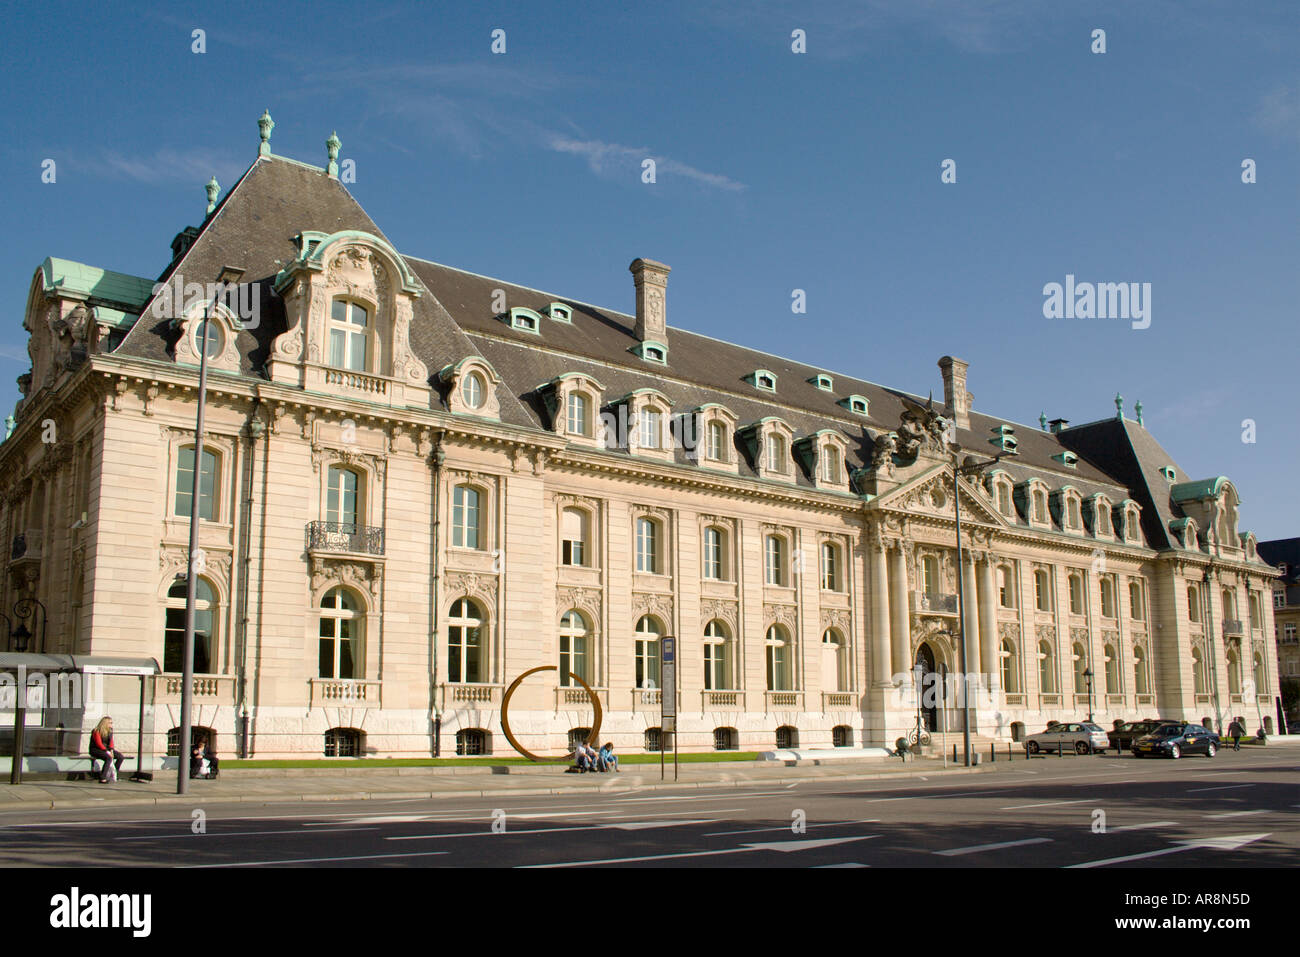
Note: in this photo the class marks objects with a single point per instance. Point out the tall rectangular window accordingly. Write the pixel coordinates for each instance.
(349, 336)
(185, 483)
(774, 549)
(341, 499)
(573, 536)
(577, 414)
(646, 546)
(830, 568)
(650, 426)
(465, 515)
(831, 464)
(776, 453)
(713, 553)
(717, 438)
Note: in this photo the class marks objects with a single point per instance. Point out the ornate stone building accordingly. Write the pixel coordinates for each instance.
(419, 483)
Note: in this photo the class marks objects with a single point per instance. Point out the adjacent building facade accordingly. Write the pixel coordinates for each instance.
(1284, 555)
(418, 483)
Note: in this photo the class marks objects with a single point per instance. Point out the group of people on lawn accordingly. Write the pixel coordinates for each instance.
(589, 759)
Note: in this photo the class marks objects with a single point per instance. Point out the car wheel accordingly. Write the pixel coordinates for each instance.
(1175, 752)
(1210, 749)
(1032, 747)
(1081, 748)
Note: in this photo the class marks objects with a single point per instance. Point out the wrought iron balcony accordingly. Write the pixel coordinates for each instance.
(26, 546)
(1233, 626)
(345, 537)
(934, 604)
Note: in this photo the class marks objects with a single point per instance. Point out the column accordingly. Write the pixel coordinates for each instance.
(990, 657)
(878, 596)
(970, 628)
(900, 627)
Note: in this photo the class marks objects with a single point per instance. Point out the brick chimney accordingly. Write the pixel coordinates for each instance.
(651, 281)
(956, 400)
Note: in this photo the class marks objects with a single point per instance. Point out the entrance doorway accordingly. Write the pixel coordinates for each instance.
(926, 687)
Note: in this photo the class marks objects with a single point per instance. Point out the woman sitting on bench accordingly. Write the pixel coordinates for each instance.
(101, 749)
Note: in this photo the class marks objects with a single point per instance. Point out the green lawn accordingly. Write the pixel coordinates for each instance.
(623, 759)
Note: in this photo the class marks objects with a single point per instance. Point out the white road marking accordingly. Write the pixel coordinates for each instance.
(1225, 787)
(786, 827)
(822, 866)
(1219, 843)
(1236, 814)
(319, 860)
(1021, 807)
(1143, 826)
(622, 826)
(975, 849)
(222, 834)
(782, 846)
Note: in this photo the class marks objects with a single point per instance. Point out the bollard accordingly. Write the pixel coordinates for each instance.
(1060, 746)
(954, 754)
(992, 755)
(1008, 750)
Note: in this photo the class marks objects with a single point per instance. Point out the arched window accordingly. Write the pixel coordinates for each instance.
(776, 457)
(647, 546)
(344, 743)
(1136, 607)
(653, 739)
(343, 499)
(725, 739)
(1198, 672)
(774, 560)
(1046, 669)
(787, 737)
(577, 414)
(1042, 590)
(1010, 667)
(651, 429)
(1080, 656)
(341, 628)
(1073, 512)
(470, 741)
(207, 335)
(841, 736)
(1006, 595)
(349, 336)
(830, 567)
(648, 632)
(465, 645)
(475, 392)
(830, 464)
(1258, 673)
(778, 659)
(1233, 656)
(573, 647)
(1004, 500)
(573, 537)
(716, 659)
(717, 450)
(1076, 594)
(930, 575)
(1141, 681)
(1107, 598)
(714, 552)
(833, 661)
(1103, 520)
(1193, 603)
(1256, 622)
(1040, 507)
(466, 515)
(196, 733)
(578, 736)
(208, 485)
(205, 618)
(1112, 669)
(1229, 604)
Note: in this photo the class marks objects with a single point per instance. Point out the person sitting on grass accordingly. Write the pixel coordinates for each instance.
(607, 758)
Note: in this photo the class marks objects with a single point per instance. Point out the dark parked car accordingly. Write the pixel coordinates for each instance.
(1122, 738)
(1174, 739)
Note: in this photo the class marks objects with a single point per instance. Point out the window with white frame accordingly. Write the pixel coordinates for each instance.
(466, 515)
(349, 336)
(1004, 500)
(1141, 678)
(830, 567)
(776, 453)
(774, 560)
(343, 499)
(716, 665)
(651, 429)
(1256, 622)
(341, 629)
(647, 546)
(1040, 506)
(1112, 669)
(1006, 593)
(1010, 667)
(778, 658)
(574, 633)
(1042, 590)
(1103, 519)
(577, 414)
(1072, 512)
(833, 678)
(1279, 599)
(474, 391)
(574, 535)
(715, 541)
(830, 464)
(1107, 598)
(1136, 604)
(648, 633)
(1046, 668)
(930, 575)
(717, 442)
(1076, 594)
(209, 484)
(465, 640)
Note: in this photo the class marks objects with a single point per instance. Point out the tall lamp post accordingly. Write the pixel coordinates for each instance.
(1087, 676)
(969, 468)
(23, 609)
(228, 275)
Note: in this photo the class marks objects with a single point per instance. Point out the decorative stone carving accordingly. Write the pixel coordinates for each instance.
(1009, 630)
(482, 587)
(365, 576)
(1080, 635)
(661, 606)
(726, 611)
(587, 600)
(1046, 633)
(215, 564)
(787, 615)
(882, 454)
(837, 618)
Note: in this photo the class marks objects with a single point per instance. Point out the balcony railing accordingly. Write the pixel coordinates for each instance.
(1015, 701)
(26, 545)
(1052, 699)
(732, 700)
(1233, 626)
(1146, 699)
(357, 380)
(1114, 699)
(837, 700)
(345, 537)
(784, 700)
(934, 604)
(344, 691)
(207, 689)
(472, 694)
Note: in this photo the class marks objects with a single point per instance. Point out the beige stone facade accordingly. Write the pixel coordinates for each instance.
(801, 577)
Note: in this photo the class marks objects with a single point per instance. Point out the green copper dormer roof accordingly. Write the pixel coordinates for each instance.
(99, 286)
(1195, 491)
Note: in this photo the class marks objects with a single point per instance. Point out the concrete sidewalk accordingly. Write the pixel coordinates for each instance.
(270, 786)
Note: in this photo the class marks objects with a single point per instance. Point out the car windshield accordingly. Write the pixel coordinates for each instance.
(1169, 729)
(1092, 727)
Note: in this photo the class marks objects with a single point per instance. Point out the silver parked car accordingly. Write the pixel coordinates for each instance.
(1083, 737)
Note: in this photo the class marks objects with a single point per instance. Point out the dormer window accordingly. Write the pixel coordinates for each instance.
(717, 442)
(1004, 438)
(349, 336)
(823, 382)
(831, 469)
(473, 390)
(655, 352)
(648, 412)
(1040, 506)
(709, 442)
(525, 320)
(1068, 459)
(578, 414)
(573, 401)
(559, 312)
(475, 393)
(856, 404)
(1072, 513)
(764, 380)
(1169, 473)
(776, 456)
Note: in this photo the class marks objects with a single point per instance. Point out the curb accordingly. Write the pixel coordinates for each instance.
(192, 798)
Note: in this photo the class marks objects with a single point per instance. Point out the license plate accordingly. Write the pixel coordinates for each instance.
(1144, 747)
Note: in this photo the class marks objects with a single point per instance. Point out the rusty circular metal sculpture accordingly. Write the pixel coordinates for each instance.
(594, 734)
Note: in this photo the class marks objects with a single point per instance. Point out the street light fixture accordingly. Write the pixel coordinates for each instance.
(23, 609)
(1087, 676)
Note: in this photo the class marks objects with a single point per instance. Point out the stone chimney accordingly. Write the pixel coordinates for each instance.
(956, 400)
(1059, 425)
(651, 281)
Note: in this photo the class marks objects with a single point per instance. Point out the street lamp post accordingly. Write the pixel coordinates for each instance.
(1087, 676)
(23, 609)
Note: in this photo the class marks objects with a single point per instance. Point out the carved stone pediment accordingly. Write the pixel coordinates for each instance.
(362, 575)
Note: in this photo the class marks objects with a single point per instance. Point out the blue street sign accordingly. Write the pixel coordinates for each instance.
(668, 649)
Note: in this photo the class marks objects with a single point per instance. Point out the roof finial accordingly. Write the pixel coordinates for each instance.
(264, 127)
(9, 426)
(332, 145)
(213, 189)
(1119, 406)
(1137, 410)
(1042, 421)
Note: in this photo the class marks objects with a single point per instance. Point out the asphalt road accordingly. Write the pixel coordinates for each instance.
(1235, 810)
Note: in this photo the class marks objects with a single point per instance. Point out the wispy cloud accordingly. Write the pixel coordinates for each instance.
(15, 353)
(166, 165)
(1279, 111)
(611, 158)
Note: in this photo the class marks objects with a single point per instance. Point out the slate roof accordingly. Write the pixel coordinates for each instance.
(1283, 550)
(253, 228)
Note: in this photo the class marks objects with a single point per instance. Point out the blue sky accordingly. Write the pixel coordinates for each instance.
(775, 171)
